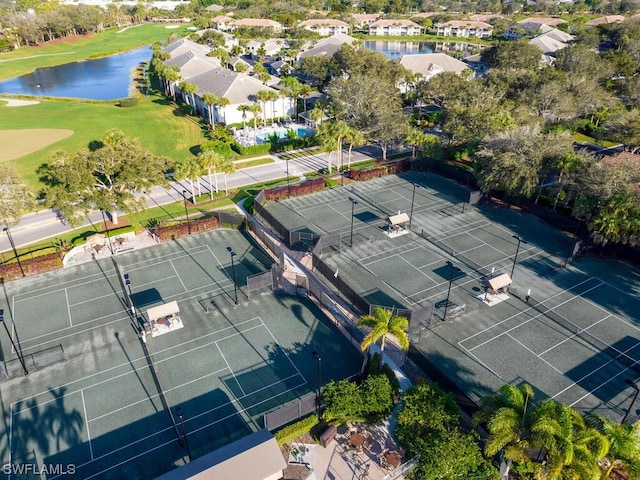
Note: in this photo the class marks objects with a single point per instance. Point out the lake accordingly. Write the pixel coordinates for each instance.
(107, 78)
(396, 48)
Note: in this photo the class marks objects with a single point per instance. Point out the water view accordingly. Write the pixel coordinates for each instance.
(105, 78)
(397, 48)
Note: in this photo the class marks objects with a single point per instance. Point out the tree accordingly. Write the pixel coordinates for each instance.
(190, 169)
(227, 166)
(332, 133)
(189, 89)
(417, 138)
(625, 128)
(16, 198)
(507, 416)
(222, 103)
(210, 160)
(263, 97)
(272, 96)
(255, 109)
(354, 138)
(244, 108)
(210, 99)
(624, 445)
(384, 322)
(106, 178)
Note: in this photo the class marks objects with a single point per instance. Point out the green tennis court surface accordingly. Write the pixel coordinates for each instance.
(577, 338)
(104, 405)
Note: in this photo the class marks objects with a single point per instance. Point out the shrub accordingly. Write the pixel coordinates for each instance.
(32, 266)
(129, 102)
(218, 146)
(305, 188)
(368, 174)
(296, 429)
(177, 230)
(251, 149)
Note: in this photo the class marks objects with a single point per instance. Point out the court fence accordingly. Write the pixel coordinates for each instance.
(290, 412)
(404, 469)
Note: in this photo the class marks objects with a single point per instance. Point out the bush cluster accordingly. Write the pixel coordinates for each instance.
(32, 266)
(251, 149)
(346, 401)
(168, 232)
(288, 433)
(305, 188)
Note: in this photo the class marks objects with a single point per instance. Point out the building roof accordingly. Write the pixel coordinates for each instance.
(424, 15)
(484, 17)
(622, 158)
(192, 64)
(183, 45)
(214, 8)
(546, 44)
(395, 23)
(542, 21)
(429, 64)
(257, 22)
(254, 457)
(465, 24)
(165, 310)
(222, 19)
(365, 17)
(323, 22)
(606, 20)
(235, 87)
(328, 46)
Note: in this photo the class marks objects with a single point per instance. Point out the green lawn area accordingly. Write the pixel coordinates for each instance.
(158, 125)
(26, 59)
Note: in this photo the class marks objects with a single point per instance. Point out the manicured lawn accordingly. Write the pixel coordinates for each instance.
(26, 59)
(157, 124)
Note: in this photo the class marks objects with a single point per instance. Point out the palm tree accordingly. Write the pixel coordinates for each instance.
(624, 445)
(210, 99)
(227, 166)
(507, 415)
(327, 141)
(172, 77)
(263, 97)
(573, 447)
(255, 109)
(210, 160)
(222, 103)
(188, 88)
(244, 108)
(417, 138)
(272, 96)
(383, 322)
(190, 170)
(354, 138)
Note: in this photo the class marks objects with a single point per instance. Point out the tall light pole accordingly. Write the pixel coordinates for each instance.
(515, 257)
(446, 305)
(13, 247)
(24, 367)
(233, 273)
(353, 205)
(104, 220)
(413, 197)
(186, 211)
(184, 432)
(288, 183)
(318, 358)
(127, 282)
(633, 400)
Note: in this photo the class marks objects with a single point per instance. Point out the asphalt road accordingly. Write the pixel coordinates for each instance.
(44, 224)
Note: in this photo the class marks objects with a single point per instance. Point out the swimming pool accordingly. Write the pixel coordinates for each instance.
(262, 135)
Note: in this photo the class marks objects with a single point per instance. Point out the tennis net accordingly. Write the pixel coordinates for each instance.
(372, 202)
(585, 335)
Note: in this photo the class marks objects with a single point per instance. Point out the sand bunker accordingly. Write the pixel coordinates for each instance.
(18, 143)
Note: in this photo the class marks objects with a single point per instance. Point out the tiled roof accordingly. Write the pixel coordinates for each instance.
(466, 24)
(395, 23)
(427, 64)
(257, 22)
(324, 21)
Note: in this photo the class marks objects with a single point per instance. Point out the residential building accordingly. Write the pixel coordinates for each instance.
(549, 42)
(184, 45)
(258, 23)
(395, 27)
(606, 20)
(364, 20)
(213, 8)
(325, 26)
(530, 26)
(327, 46)
(427, 65)
(222, 23)
(272, 47)
(464, 28)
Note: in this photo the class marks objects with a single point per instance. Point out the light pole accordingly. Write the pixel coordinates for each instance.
(24, 367)
(515, 257)
(635, 396)
(186, 211)
(353, 205)
(413, 197)
(318, 358)
(184, 432)
(233, 274)
(13, 246)
(104, 220)
(128, 284)
(288, 183)
(446, 305)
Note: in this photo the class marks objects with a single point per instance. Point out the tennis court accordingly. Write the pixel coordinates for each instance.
(108, 405)
(445, 260)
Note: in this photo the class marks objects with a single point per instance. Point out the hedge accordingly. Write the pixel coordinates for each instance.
(296, 429)
(178, 230)
(251, 149)
(32, 266)
(305, 188)
(129, 102)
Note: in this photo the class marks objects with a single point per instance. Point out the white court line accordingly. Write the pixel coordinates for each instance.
(125, 364)
(387, 253)
(283, 351)
(535, 354)
(535, 317)
(585, 330)
(84, 407)
(177, 275)
(66, 299)
(232, 372)
(511, 317)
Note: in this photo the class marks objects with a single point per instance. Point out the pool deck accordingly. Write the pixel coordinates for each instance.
(246, 137)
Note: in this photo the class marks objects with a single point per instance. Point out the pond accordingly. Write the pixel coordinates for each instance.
(396, 48)
(107, 78)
